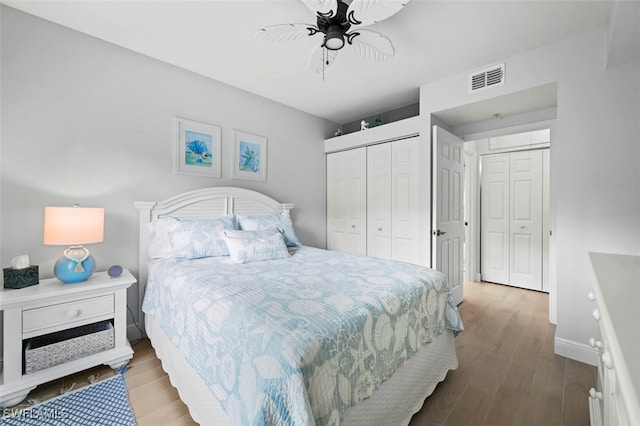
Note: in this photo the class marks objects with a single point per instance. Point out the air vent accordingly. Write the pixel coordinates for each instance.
(484, 79)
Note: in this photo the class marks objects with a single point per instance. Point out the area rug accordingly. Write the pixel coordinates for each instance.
(104, 403)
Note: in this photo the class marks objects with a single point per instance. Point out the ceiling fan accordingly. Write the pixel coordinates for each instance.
(340, 24)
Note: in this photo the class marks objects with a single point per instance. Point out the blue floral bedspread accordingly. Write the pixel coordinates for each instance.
(297, 341)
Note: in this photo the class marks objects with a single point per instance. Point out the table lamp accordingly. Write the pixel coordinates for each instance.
(73, 226)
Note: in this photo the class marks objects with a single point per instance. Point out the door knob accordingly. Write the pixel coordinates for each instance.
(438, 232)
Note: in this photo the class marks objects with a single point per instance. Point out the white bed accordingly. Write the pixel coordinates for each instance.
(395, 400)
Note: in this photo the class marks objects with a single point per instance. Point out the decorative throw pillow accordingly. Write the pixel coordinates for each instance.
(197, 238)
(255, 246)
(280, 221)
(244, 234)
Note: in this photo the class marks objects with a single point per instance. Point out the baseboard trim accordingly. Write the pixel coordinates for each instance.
(576, 351)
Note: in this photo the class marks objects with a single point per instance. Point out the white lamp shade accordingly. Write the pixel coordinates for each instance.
(73, 225)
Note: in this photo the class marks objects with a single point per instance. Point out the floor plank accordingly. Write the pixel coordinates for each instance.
(578, 379)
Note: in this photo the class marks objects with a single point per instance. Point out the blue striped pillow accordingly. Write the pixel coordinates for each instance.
(198, 238)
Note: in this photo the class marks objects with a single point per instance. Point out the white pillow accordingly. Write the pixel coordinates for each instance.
(159, 243)
(255, 246)
(243, 234)
(266, 222)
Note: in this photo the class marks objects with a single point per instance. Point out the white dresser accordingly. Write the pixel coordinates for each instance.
(616, 295)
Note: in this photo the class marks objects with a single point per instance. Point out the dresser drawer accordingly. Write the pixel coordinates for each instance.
(52, 317)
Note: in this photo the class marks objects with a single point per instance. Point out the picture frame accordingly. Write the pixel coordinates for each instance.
(249, 157)
(198, 148)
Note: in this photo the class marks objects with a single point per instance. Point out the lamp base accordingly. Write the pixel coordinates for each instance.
(75, 265)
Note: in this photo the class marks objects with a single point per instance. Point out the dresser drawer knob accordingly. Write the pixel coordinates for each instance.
(591, 296)
(596, 314)
(607, 361)
(595, 343)
(595, 394)
(72, 313)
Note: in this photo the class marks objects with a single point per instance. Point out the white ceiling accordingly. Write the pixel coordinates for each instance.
(433, 39)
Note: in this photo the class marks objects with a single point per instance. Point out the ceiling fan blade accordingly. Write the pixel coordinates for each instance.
(323, 8)
(286, 32)
(367, 12)
(321, 58)
(370, 44)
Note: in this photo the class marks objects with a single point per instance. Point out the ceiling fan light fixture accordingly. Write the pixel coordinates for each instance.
(334, 40)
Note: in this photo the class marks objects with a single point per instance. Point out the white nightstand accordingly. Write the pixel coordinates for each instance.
(52, 306)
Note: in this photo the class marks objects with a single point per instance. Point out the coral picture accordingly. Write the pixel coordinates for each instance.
(198, 148)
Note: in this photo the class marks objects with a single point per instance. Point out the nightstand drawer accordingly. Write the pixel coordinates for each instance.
(51, 317)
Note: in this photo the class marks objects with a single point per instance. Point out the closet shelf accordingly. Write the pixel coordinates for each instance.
(396, 130)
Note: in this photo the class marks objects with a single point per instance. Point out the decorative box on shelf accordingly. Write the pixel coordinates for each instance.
(21, 277)
(67, 345)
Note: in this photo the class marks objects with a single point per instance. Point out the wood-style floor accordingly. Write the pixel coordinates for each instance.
(508, 373)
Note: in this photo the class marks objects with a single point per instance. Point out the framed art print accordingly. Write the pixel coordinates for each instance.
(198, 148)
(250, 156)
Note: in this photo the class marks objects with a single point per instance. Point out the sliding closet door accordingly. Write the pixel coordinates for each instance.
(379, 201)
(526, 219)
(347, 201)
(405, 198)
(494, 231)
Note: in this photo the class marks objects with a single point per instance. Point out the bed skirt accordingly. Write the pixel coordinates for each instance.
(395, 401)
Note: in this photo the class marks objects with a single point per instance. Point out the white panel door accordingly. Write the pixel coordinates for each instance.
(526, 219)
(405, 198)
(447, 203)
(379, 201)
(494, 228)
(346, 201)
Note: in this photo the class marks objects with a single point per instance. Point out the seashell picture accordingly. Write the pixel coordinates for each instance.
(198, 148)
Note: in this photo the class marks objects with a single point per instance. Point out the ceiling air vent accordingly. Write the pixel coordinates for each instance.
(493, 76)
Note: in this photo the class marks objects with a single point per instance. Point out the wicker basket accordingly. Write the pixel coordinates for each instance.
(67, 345)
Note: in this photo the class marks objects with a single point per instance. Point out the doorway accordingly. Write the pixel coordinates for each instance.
(493, 118)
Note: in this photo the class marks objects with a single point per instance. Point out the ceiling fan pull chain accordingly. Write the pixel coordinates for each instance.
(325, 60)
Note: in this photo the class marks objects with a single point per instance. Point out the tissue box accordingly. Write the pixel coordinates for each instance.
(20, 278)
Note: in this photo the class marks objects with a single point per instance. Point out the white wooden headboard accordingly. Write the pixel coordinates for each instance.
(207, 203)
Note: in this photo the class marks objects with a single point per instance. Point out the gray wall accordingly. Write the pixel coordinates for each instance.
(88, 122)
(595, 163)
